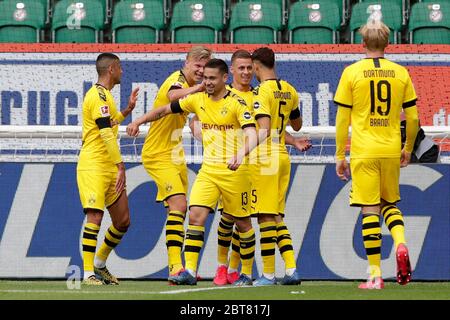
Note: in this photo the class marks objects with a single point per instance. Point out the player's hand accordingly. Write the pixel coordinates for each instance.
(342, 170)
(200, 87)
(234, 162)
(121, 179)
(405, 158)
(302, 143)
(133, 98)
(132, 129)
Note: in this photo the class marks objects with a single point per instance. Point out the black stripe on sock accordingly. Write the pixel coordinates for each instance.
(249, 244)
(192, 249)
(224, 243)
(173, 223)
(176, 215)
(371, 251)
(115, 236)
(267, 252)
(247, 256)
(386, 208)
(395, 223)
(175, 232)
(392, 214)
(270, 228)
(223, 234)
(174, 243)
(91, 230)
(88, 248)
(283, 237)
(110, 243)
(286, 248)
(196, 237)
(370, 225)
(89, 236)
(268, 240)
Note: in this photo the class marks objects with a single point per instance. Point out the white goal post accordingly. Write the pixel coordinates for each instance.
(62, 144)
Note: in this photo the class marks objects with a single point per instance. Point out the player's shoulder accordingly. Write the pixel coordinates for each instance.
(176, 78)
(395, 66)
(97, 92)
(289, 86)
(236, 98)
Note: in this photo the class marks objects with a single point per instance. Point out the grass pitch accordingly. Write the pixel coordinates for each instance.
(206, 290)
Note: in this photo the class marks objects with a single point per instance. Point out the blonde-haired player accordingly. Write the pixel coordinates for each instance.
(101, 171)
(371, 96)
(163, 155)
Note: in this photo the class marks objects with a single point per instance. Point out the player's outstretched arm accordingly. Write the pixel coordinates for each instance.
(174, 95)
(131, 102)
(250, 142)
(300, 143)
(153, 115)
(195, 126)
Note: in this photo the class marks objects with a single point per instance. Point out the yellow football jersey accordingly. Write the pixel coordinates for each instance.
(165, 135)
(246, 95)
(279, 100)
(221, 121)
(98, 103)
(376, 90)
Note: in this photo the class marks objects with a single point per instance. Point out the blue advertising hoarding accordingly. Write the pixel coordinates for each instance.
(41, 223)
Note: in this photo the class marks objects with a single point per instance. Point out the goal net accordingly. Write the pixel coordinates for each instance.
(62, 144)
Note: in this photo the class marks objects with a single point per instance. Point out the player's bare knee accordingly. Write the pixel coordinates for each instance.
(122, 224)
(243, 224)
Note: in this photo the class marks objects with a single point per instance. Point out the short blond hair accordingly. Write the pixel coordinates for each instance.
(375, 35)
(199, 53)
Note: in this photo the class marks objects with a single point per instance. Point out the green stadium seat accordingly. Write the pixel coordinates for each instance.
(284, 4)
(391, 15)
(253, 22)
(138, 21)
(197, 21)
(404, 4)
(314, 21)
(106, 5)
(225, 4)
(21, 20)
(343, 6)
(77, 21)
(429, 23)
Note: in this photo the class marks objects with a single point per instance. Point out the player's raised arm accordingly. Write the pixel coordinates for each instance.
(131, 103)
(177, 94)
(153, 115)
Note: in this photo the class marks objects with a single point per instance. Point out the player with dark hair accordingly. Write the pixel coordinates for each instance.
(275, 103)
(228, 135)
(101, 172)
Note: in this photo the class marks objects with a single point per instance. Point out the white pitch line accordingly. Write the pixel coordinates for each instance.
(200, 289)
(79, 291)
